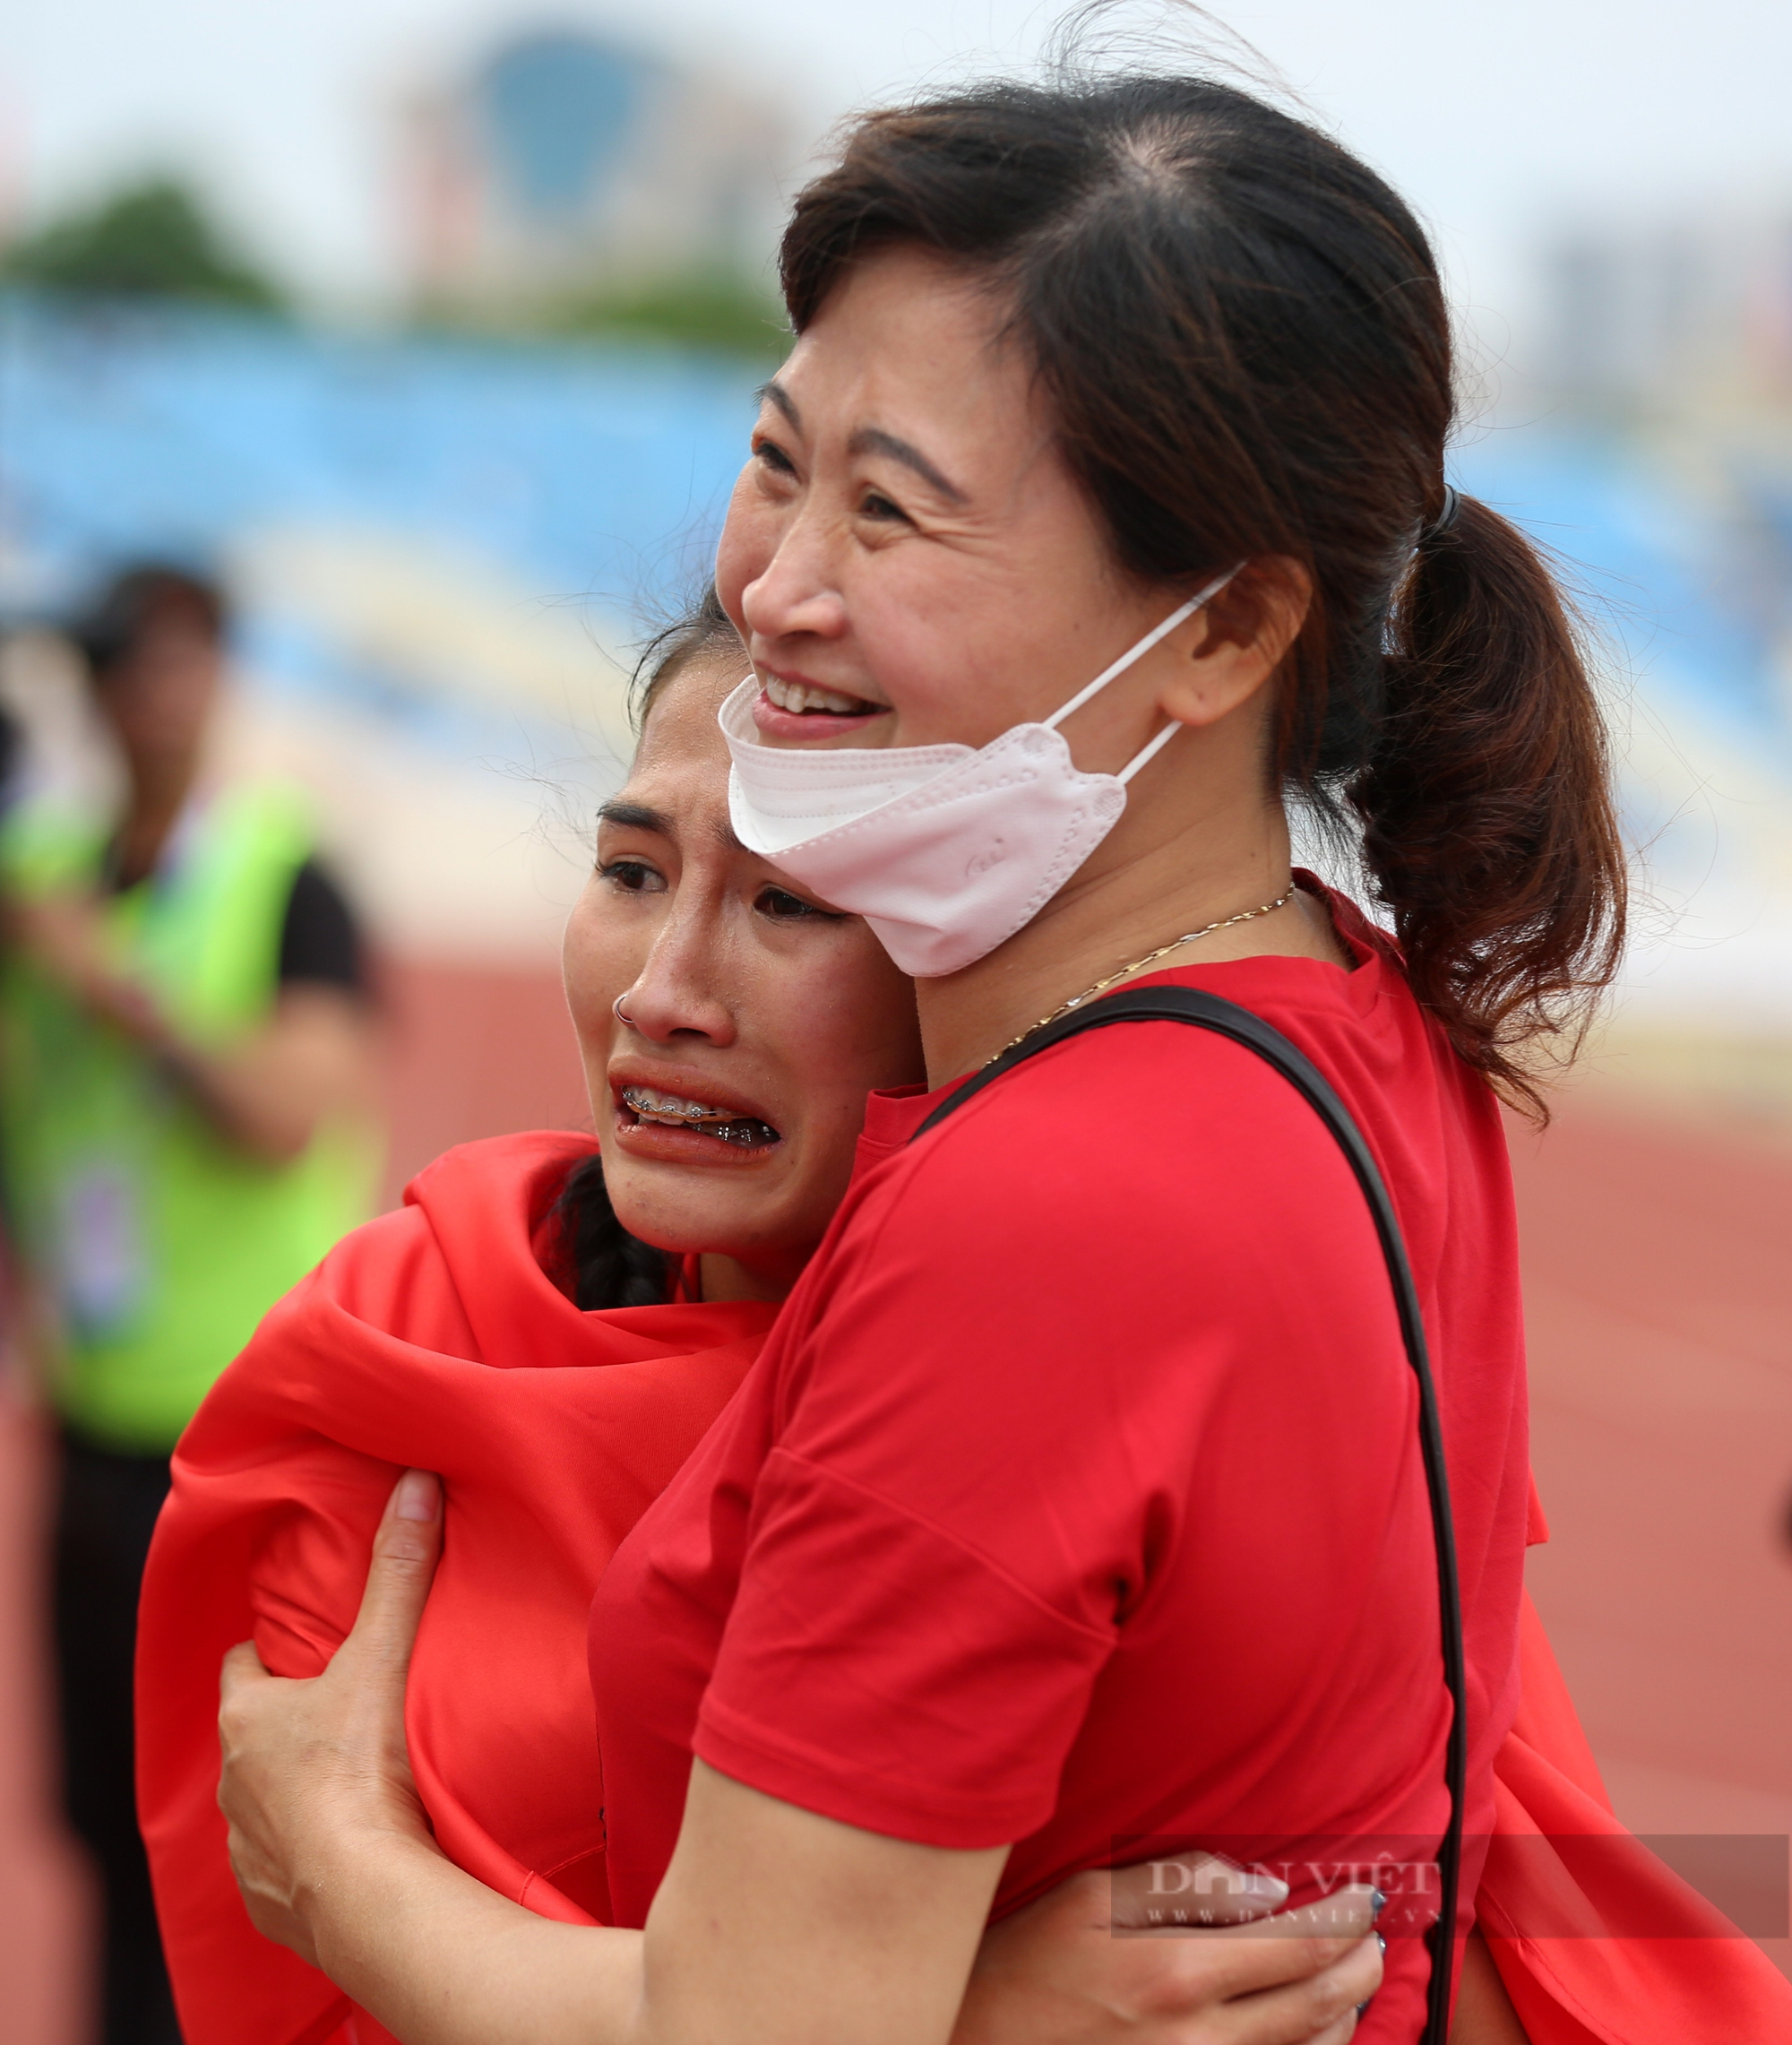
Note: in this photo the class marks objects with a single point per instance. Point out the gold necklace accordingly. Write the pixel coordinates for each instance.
(1150, 958)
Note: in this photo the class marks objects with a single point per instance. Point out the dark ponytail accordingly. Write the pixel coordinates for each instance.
(1485, 804)
(1243, 334)
(604, 1265)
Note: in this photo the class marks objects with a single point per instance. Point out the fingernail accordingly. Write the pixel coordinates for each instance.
(1378, 1902)
(1382, 1943)
(1364, 2005)
(418, 1493)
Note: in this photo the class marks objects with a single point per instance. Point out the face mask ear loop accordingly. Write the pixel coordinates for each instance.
(1138, 652)
(1150, 753)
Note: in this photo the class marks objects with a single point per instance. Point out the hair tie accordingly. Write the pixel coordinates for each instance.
(1446, 516)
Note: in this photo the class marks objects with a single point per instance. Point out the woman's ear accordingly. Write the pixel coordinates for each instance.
(1238, 641)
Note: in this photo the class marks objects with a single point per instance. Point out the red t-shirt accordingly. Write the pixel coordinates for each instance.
(1076, 1497)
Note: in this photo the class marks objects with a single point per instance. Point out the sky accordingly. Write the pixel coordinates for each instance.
(1496, 121)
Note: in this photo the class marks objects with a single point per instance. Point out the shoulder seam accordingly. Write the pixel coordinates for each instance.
(1108, 1640)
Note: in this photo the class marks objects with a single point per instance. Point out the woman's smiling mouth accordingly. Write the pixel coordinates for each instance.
(806, 696)
(789, 707)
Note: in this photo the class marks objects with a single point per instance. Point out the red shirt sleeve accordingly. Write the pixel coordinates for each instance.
(987, 1444)
(947, 1727)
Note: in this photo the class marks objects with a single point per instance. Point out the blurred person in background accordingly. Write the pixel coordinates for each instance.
(185, 1083)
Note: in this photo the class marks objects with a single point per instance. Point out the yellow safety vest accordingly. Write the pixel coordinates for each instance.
(161, 1242)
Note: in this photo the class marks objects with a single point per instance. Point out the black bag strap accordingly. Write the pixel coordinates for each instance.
(1227, 1019)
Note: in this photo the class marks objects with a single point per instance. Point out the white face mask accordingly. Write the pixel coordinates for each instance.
(945, 851)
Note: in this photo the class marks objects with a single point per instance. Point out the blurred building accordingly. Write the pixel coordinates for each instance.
(1670, 313)
(564, 163)
(1673, 334)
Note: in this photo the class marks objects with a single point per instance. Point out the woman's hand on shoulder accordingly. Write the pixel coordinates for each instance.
(313, 1770)
(1093, 1963)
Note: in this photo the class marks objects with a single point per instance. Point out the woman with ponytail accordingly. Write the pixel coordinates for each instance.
(1099, 513)
(510, 1328)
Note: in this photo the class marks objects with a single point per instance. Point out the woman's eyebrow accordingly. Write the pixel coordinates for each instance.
(634, 816)
(871, 440)
(774, 393)
(874, 440)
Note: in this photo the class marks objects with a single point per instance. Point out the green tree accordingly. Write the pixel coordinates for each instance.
(710, 309)
(153, 240)
(701, 309)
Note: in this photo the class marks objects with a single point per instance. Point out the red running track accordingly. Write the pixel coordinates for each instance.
(1658, 1265)
(1659, 1288)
